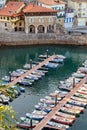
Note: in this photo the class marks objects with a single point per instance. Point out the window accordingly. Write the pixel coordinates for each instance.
(40, 20)
(11, 17)
(20, 24)
(50, 19)
(79, 4)
(84, 9)
(5, 24)
(62, 7)
(7, 18)
(31, 20)
(83, 13)
(79, 9)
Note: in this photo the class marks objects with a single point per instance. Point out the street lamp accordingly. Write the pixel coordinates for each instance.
(47, 53)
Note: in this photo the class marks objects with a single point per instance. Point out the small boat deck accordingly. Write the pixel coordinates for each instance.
(43, 123)
(31, 70)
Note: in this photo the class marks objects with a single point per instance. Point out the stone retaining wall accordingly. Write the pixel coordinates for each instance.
(19, 38)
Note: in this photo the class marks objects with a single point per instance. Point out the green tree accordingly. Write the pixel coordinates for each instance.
(7, 118)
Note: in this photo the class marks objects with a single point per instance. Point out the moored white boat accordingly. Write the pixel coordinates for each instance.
(82, 92)
(73, 102)
(4, 99)
(70, 111)
(79, 99)
(66, 115)
(81, 109)
(53, 98)
(57, 60)
(43, 56)
(57, 125)
(51, 102)
(6, 79)
(83, 69)
(63, 120)
(80, 95)
(51, 65)
(61, 56)
(38, 112)
(65, 86)
(78, 75)
(24, 83)
(24, 125)
(34, 116)
(43, 107)
(28, 66)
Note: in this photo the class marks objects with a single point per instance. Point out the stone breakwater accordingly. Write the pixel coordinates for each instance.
(20, 38)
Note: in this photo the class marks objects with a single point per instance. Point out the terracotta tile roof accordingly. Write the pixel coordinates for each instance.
(10, 9)
(32, 8)
(51, 2)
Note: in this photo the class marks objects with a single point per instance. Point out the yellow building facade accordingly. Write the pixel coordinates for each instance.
(11, 17)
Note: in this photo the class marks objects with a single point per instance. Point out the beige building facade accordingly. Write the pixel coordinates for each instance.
(80, 11)
(57, 5)
(39, 19)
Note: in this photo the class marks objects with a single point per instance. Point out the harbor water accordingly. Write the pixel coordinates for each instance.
(12, 58)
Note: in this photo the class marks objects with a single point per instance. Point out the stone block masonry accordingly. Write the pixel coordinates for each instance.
(20, 38)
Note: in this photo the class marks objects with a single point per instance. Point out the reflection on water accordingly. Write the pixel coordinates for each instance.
(13, 58)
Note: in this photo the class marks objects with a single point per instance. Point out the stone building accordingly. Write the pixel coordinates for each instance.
(11, 16)
(39, 19)
(58, 5)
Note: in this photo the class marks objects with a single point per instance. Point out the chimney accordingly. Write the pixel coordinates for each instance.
(33, 4)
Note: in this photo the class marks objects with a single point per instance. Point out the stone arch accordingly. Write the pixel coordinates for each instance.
(41, 29)
(31, 29)
(50, 28)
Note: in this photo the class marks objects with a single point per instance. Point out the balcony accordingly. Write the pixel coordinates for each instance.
(61, 16)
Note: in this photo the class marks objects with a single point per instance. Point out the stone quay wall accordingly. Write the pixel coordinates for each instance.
(20, 38)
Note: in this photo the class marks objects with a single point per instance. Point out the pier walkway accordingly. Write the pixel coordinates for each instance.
(31, 70)
(43, 123)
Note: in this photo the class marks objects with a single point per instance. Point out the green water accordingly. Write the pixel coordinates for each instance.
(13, 58)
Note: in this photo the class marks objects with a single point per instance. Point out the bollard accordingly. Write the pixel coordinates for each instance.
(73, 82)
(30, 123)
(55, 99)
(30, 63)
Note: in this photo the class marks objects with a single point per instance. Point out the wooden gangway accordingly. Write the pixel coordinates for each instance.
(31, 70)
(43, 123)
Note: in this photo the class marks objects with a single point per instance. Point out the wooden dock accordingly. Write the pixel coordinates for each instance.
(43, 123)
(31, 70)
